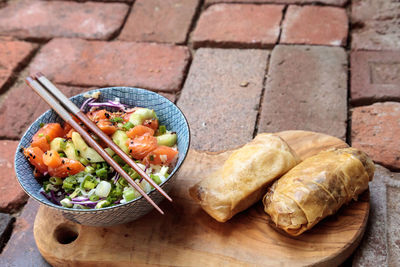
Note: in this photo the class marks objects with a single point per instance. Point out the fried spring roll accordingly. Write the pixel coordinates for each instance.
(317, 188)
(244, 177)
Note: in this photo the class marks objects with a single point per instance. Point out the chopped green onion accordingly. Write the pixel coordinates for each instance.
(67, 185)
(129, 194)
(75, 193)
(155, 178)
(48, 138)
(40, 135)
(117, 119)
(118, 160)
(89, 182)
(56, 180)
(62, 154)
(162, 129)
(88, 185)
(66, 203)
(94, 197)
(71, 179)
(50, 187)
(122, 182)
(128, 126)
(89, 169)
(103, 189)
(102, 173)
(102, 204)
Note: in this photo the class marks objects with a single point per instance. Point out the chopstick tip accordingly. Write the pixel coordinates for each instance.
(38, 75)
(28, 80)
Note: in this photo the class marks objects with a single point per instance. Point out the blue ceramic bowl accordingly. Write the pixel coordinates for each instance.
(168, 114)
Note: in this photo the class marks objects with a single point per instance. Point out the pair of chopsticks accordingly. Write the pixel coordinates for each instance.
(63, 106)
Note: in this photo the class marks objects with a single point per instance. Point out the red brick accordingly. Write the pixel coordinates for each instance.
(315, 25)
(306, 90)
(238, 25)
(12, 55)
(327, 2)
(375, 25)
(375, 130)
(45, 19)
(21, 106)
(221, 95)
(380, 245)
(21, 249)
(163, 21)
(375, 76)
(11, 194)
(93, 63)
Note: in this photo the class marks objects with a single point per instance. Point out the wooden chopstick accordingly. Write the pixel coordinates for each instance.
(46, 96)
(69, 105)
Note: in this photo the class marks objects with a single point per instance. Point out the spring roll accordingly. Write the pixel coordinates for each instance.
(317, 188)
(244, 177)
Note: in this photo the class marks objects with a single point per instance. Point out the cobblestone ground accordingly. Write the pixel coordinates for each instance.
(235, 67)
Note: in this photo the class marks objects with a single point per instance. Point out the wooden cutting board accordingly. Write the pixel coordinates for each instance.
(187, 236)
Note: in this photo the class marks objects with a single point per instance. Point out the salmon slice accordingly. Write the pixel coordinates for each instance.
(140, 146)
(68, 167)
(139, 130)
(107, 127)
(162, 155)
(152, 123)
(46, 134)
(51, 159)
(35, 157)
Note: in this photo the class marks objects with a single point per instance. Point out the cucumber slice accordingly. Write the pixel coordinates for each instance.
(83, 150)
(57, 144)
(168, 139)
(91, 155)
(70, 151)
(120, 138)
(109, 151)
(140, 115)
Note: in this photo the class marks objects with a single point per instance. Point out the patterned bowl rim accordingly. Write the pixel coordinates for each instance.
(106, 209)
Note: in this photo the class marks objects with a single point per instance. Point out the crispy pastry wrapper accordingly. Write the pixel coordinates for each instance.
(244, 177)
(317, 188)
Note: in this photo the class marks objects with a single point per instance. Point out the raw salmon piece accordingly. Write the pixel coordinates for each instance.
(141, 146)
(68, 167)
(152, 123)
(139, 130)
(107, 127)
(45, 135)
(35, 157)
(51, 159)
(162, 155)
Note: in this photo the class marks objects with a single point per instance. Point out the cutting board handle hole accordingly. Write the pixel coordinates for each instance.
(66, 233)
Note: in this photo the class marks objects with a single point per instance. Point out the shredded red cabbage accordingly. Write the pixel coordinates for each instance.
(79, 199)
(87, 101)
(54, 199)
(115, 178)
(109, 103)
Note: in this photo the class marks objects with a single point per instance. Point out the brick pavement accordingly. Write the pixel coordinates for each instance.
(200, 54)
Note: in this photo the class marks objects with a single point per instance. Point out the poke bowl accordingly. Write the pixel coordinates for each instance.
(167, 114)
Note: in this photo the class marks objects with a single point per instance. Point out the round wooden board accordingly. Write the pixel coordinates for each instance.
(187, 236)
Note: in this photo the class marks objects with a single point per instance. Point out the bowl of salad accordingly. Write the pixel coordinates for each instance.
(56, 167)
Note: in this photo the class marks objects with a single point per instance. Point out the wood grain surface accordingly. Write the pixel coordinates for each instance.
(187, 236)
